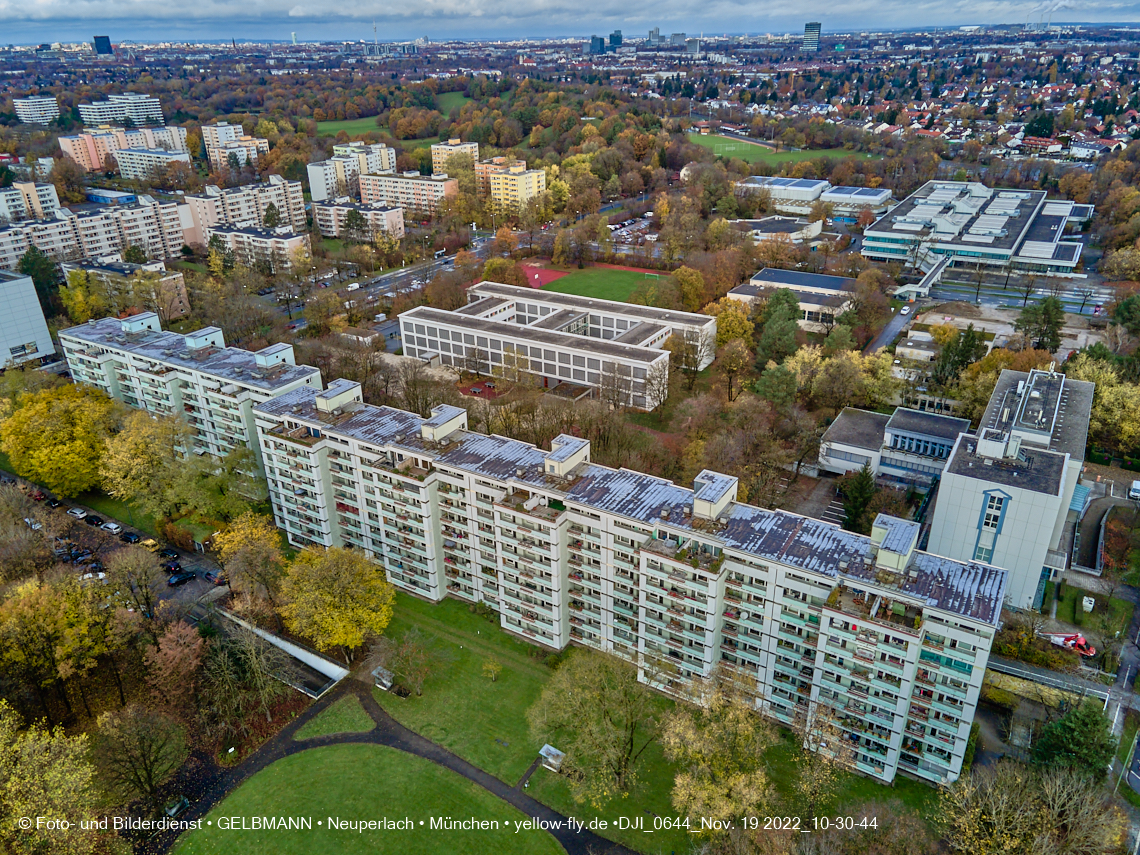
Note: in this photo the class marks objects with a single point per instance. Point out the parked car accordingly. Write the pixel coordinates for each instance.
(93, 521)
(171, 566)
(216, 577)
(167, 552)
(54, 503)
(905, 310)
(113, 528)
(32, 524)
(180, 578)
(81, 555)
(151, 544)
(129, 537)
(39, 496)
(97, 576)
(78, 513)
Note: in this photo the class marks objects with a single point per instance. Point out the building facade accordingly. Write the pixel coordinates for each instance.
(511, 188)
(139, 109)
(23, 331)
(411, 191)
(25, 200)
(193, 376)
(332, 178)
(379, 219)
(223, 139)
(370, 157)
(246, 206)
(90, 149)
(145, 162)
(811, 36)
(678, 581)
(273, 249)
(441, 153)
(36, 110)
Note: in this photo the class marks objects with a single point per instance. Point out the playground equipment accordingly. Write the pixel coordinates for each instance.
(1070, 641)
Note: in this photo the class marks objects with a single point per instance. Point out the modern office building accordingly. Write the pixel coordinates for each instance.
(441, 153)
(194, 376)
(415, 193)
(512, 185)
(273, 249)
(91, 148)
(971, 224)
(36, 110)
(150, 286)
(811, 36)
(23, 331)
(378, 218)
(575, 345)
(822, 298)
(798, 195)
(102, 45)
(147, 162)
(615, 39)
(25, 200)
(1007, 492)
(246, 206)
(132, 106)
(676, 580)
(222, 139)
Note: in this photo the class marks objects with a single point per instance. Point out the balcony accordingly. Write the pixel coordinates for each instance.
(869, 606)
(522, 502)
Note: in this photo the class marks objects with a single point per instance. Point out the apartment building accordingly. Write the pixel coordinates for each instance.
(155, 288)
(90, 149)
(223, 139)
(145, 162)
(335, 177)
(274, 249)
(379, 218)
(419, 194)
(194, 376)
(576, 346)
(246, 205)
(25, 200)
(1007, 492)
(676, 580)
(36, 110)
(23, 331)
(139, 109)
(512, 185)
(441, 153)
(370, 157)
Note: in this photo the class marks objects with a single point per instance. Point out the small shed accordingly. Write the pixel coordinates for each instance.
(383, 678)
(551, 758)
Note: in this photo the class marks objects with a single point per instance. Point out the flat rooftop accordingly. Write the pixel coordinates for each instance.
(857, 428)
(1066, 404)
(796, 279)
(668, 317)
(928, 424)
(1034, 469)
(226, 363)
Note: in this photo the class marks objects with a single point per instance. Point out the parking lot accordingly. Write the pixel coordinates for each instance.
(631, 232)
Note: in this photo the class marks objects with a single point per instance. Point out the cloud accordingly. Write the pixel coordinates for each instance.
(297, 12)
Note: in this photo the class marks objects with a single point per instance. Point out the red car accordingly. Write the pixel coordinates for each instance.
(39, 495)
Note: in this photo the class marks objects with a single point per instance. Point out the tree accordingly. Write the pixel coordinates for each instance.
(271, 219)
(81, 298)
(734, 358)
(173, 668)
(595, 709)
(336, 598)
(134, 575)
(718, 741)
(778, 385)
(142, 460)
(962, 349)
(134, 254)
(1042, 322)
(492, 667)
(1080, 740)
(777, 327)
(250, 550)
(857, 490)
(136, 750)
(45, 277)
(56, 437)
(355, 228)
(692, 285)
(822, 754)
(732, 321)
(31, 632)
(688, 353)
(44, 773)
(412, 659)
(243, 675)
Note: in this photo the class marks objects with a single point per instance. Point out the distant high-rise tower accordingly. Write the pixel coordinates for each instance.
(811, 37)
(597, 45)
(294, 35)
(103, 45)
(615, 39)
(655, 37)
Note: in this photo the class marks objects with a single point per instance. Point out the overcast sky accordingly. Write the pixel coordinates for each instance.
(33, 21)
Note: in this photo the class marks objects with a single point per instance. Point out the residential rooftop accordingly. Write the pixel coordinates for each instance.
(1021, 400)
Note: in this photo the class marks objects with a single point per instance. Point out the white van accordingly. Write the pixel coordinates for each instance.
(1134, 491)
(352, 287)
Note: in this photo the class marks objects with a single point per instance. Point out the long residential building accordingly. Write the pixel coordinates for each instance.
(246, 206)
(36, 110)
(576, 345)
(411, 191)
(378, 219)
(678, 581)
(143, 163)
(274, 249)
(513, 185)
(139, 109)
(194, 376)
(23, 331)
(223, 139)
(25, 200)
(91, 149)
(339, 175)
(370, 157)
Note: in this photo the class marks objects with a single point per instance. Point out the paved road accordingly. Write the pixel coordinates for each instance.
(213, 784)
(893, 328)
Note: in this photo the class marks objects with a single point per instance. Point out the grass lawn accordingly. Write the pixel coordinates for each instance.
(483, 722)
(344, 716)
(192, 265)
(1070, 611)
(600, 283)
(448, 101)
(751, 153)
(363, 782)
(424, 143)
(353, 127)
(105, 506)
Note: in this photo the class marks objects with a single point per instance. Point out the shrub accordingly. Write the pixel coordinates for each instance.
(971, 748)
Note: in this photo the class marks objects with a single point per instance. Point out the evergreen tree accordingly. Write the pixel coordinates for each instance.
(45, 276)
(272, 218)
(1080, 740)
(857, 489)
(1042, 322)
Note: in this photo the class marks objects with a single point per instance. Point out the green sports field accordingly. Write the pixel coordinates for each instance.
(752, 153)
(353, 127)
(601, 283)
(360, 783)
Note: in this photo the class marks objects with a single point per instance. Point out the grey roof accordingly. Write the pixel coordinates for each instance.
(858, 428)
(927, 424)
(11, 276)
(777, 181)
(557, 320)
(481, 306)
(711, 486)
(442, 414)
(774, 225)
(227, 363)
(639, 333)
(901, 536)
(972, 590)
(798, 279)
(567, 447)
(1073, 406)
(1035, 469)
(753, 289)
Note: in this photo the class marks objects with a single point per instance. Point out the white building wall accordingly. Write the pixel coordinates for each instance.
(23, 331)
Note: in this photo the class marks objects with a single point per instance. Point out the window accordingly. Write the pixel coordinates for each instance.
(983, 553)
(993, 512)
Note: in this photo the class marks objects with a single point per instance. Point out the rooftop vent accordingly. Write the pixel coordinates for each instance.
(687, 510)
(399, 437)
(664, 513)
(520, 472)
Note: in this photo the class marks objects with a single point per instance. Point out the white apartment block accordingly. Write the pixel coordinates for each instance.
(335, 177)
(194, 376)
(1007, 491)
(23, 331)
(223, 139)
(25, 200)
(676, 580)
(381, 219)
(144, 162)
(90, 148)
(245, 206)
(411, 191)
(441, 153)
(139, 109)
(273, 248)
(371, 158)
(36, 110)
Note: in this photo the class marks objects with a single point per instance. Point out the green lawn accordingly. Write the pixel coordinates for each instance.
(354, 127)
(751, 153)
(600, 283)
(483, 722)
(448, 101)
(1069, 609)
(363, 782)
(344, 716)
(105, 506)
